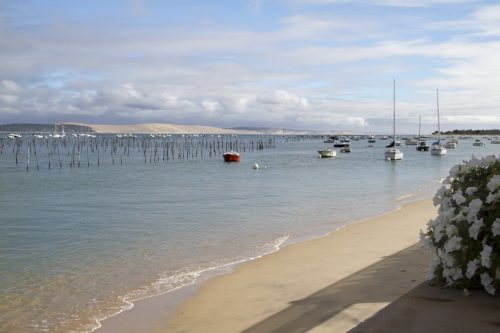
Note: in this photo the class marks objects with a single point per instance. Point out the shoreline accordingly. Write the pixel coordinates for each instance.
(159, 313)
(261, 295)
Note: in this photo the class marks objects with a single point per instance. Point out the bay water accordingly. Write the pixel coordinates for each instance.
(80, 244)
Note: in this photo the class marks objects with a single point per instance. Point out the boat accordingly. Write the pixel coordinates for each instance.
(327, 152)
(371, 139)
(478, 143)
(411, 142)
(342, 143)
(330, 139)
(495, 141)
(57, 135)
(451, 145)
(421, 144)
(437, 148)
(14, 136)
(392, 152)
(231, 156)
(345, 150)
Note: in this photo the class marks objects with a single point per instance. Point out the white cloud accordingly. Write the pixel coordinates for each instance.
(313, 69)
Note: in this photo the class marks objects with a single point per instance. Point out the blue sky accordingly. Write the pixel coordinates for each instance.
(304, 64)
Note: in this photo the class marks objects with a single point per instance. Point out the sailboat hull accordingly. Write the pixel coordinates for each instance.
(393, 154)
(438, 150)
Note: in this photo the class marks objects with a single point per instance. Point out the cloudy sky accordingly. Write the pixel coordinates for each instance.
(303, 64)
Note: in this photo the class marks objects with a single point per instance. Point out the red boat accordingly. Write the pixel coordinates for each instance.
(231, 156)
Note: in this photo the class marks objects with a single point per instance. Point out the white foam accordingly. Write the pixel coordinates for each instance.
(180, 280)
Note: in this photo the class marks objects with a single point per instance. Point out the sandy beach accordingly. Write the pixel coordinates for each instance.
(329, 284)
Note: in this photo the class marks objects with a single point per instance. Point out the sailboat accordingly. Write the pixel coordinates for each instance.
(437, 148)
(421, 144)
(392, 152)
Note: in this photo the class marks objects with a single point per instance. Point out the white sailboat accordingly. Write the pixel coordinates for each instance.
(421, 144)
(437, 148)
(392, 152)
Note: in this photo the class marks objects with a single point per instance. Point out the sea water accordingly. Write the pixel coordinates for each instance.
(78, 245)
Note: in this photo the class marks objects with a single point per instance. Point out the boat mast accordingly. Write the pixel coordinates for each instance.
(439, 125)
(419, 124)
(394, 113)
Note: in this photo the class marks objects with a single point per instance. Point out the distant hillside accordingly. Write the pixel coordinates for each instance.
(42, 128)
(473, 132)
(151, 128)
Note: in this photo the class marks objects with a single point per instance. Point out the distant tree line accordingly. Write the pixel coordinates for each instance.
(472, 132)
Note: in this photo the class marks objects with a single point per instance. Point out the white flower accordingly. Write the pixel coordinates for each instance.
(494, 183)
(432, 268)
(495, 228)
(474, 162)
(472, 266)
(452, 244)
(474, 207)
(451, 230)
(459, 198)
(426, 241)
(446, 259)
(441, 192)
(438, 232)
(486, 256)
(486, 281)
(489, 160)
(457, 274)
(470, 190)
(493, 197)
(446, 205)
(474, 229)
(454, 171)
(459, 218)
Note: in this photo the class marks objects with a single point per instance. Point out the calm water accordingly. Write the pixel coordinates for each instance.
(80, 244)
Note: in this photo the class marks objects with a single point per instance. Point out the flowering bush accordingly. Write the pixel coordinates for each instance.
(466, 233)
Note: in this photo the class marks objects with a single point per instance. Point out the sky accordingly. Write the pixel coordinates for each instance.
(326, 65)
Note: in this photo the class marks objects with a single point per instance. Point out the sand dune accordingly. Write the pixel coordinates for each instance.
(157, 128)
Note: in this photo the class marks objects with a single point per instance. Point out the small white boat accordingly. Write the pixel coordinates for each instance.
(327, 152)
(411, 142)
(438, 149)
(371, 139)
(495, 141)
(451, 145)
(478, 143)
(14, 136)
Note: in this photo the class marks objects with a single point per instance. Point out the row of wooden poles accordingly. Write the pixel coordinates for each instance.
(72, 151)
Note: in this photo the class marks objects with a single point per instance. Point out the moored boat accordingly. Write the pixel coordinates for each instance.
(392, 153)
(451, 145)
(422, 145)
(231, 156)
(327, 152)
(437, 148)
(411, 142)
(478, 143)
(14, 136)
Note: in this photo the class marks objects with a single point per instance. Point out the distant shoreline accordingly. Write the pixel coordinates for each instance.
(147, 128)
(164, 128)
